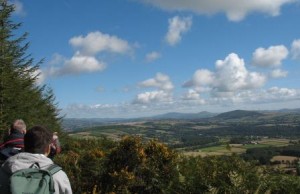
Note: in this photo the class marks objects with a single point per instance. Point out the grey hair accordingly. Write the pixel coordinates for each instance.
(19, 125)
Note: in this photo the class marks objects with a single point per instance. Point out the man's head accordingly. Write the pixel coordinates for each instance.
(37, 140)
(19, 125)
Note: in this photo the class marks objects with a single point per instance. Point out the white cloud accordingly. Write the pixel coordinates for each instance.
(153, 97)
(19, 8)
(235, 10)
(230, 75)
(278, 73)
(76, 65)
(295, 50)
(56, 59)
(252, 98)
(123, 110)
(271, 57)
(191, 95)
(160, 81)
(152, 56)
(201, 77)
(96, 42)
(164, 93)
(40, 76)
(282, 93)
(231, 84)
(85, 58)
(177, 26)
(159, 102)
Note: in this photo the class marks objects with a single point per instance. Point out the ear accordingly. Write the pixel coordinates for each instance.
(47, 150)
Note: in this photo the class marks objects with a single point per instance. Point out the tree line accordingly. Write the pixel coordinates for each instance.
(20, 95)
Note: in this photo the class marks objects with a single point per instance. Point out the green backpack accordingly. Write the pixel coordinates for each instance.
(33, 180)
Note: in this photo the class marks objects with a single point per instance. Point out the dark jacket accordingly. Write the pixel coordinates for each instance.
(13, 144)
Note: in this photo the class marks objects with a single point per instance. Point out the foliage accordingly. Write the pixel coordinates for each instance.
(263, 155)
(224, 174)
(129, 166)
(20, 97)
(83, 161)
(276, 182)
(135, 166)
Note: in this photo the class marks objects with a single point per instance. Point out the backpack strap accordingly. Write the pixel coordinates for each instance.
(52, 169)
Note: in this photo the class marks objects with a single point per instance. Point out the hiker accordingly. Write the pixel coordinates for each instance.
(55, 146)
(14, 142)
(37, 142)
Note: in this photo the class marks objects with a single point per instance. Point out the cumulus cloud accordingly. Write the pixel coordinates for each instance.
(278, 73)
(160, 81)
(96, 42)
(231, 84)
(152, 56)
(177, 26)
(152, 97)
(164, 87)
(122, 110)
(230, 75)
(201, 77)
(145, 106)
(270, 57)
(77, 64)
(254, 97)
(56, 59)
(282, 93)
(193, 96)
(295, 50)
(235, 10)
(86, 57)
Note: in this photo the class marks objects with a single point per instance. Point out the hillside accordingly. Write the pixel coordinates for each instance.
(185, 116)
(275, 116)
(238, 114)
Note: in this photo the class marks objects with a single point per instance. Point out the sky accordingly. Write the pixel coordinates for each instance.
(136, 58)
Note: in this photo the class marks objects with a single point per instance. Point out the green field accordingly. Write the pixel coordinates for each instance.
(238, 148)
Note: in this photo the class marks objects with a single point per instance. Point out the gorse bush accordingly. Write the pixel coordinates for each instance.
(129, 166)
(134, 166)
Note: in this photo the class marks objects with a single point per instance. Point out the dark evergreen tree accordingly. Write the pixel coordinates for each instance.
(20, 96)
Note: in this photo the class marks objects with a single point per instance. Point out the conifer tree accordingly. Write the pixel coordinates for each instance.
(20, 96)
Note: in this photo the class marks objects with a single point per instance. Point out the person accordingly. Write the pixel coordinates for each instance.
(55, 146)
(37, 142)
(14, 142)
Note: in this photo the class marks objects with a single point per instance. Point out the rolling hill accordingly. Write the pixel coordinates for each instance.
(238, 114)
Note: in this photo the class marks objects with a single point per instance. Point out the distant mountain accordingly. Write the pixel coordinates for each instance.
(297, 110)
(71, 124)
(78, 123)
(176, 115)
(238, 114)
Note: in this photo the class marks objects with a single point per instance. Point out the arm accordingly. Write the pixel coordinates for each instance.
(62, 183)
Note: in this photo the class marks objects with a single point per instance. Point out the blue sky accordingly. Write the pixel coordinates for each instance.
(134, 58)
